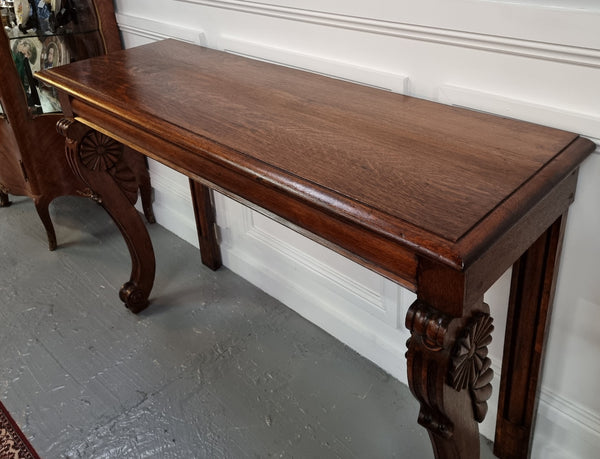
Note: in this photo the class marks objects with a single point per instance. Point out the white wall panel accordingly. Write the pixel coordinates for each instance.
(531, 59)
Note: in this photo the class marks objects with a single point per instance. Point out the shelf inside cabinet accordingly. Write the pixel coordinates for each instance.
(56, 33)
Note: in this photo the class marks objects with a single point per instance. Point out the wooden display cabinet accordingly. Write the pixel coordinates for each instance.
(40, 35)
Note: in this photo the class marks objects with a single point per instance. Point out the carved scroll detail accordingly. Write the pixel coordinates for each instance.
(446, 355)
(428, 323)
(427, 362)
(62, 126)
(134, 297)
(470, 365)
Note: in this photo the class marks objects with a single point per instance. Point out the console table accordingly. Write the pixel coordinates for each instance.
(442, 200)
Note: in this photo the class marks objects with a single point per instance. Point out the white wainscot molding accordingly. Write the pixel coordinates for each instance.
(586, 124)
(357, 306)
(457, 33)
(151, 30)
(585, 5)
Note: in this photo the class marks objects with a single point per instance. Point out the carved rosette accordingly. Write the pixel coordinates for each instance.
(470, 365)
(100, 153)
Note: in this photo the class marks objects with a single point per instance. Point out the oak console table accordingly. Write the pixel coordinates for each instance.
(440, 199)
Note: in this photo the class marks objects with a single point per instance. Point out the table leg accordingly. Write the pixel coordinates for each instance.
(139, 166)
(449, 373)
(206, 225)
(98, 161)
(532, 291)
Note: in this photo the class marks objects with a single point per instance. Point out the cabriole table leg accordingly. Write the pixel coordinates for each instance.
(4, 201)
(98, 161)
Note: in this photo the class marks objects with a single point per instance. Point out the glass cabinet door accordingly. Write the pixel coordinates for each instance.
(49, 33)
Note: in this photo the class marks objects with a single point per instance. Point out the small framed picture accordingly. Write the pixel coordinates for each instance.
(26, 52)
(54, 53)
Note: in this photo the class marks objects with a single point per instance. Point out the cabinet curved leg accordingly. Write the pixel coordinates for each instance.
(4, 201)
(41, 205)
(449, 373)
(98, 160)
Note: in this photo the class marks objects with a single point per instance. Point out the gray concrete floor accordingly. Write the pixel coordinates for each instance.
(215, 368)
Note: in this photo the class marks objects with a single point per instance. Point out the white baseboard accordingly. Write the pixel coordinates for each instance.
(565, 429)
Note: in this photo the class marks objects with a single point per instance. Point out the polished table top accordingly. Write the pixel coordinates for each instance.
(421, 173)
